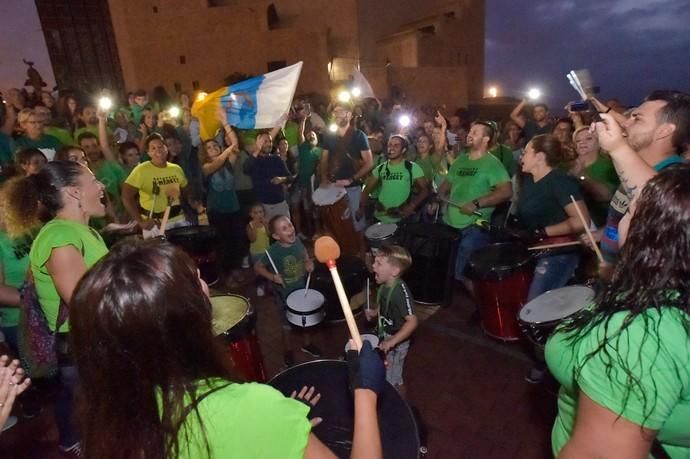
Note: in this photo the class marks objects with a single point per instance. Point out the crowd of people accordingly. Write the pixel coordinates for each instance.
(73, 173)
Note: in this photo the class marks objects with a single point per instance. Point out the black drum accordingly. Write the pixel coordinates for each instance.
(200, 243)
(399, 433)
(433, 247)
(353, 273)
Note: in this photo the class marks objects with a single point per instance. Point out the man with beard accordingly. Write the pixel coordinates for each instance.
(346, 159)
(89, 119)
(402, 185)
(654, 131)
(540, 124)
(476, 183)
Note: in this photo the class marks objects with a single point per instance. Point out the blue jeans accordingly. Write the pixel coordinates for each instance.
(64, 406)
(552, 271)
(471, 239)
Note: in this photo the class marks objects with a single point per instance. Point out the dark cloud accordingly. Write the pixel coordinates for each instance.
(630, 46)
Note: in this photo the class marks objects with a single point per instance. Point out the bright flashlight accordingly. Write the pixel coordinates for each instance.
(493, 91)
(333, 127)
(404, 120)
(174, 112)
(534, 93)
(105, 103)
(356, 92)
(201, 96)
(344, 96)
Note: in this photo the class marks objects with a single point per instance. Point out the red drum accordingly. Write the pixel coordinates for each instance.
(336, 217)
(501, 274)
(234, 321)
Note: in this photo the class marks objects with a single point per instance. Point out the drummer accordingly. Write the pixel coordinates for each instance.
(158, 183)
(288, 256)
(346, 160)
(402, 185)
(156, 382)
(475, 184)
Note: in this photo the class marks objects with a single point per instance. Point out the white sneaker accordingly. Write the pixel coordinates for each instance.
(245, 262)
(260, 291)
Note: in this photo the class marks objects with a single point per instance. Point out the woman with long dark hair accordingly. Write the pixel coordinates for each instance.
(62, 197)
(624, 365)
(157, 385)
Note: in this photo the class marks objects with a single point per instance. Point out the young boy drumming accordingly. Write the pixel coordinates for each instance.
(396, 319)
(292, 261)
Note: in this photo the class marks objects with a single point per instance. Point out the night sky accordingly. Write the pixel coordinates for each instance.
(629, 46)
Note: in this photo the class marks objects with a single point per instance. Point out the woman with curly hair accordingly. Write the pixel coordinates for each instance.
(624, 364)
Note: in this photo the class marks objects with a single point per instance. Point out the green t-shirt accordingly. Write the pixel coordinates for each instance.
(243, 421)
(290, 263)
(169, 179)
(430, 166)
(60, 233)
(111, 174)
(307, 159)
(543, 203)
(14, 257)
(469, 180)
(603, 171)
(395, 303)
(46, 143)
(395, 186)
(505, 155)
(221, 196)
(659, 362)
(63, 135)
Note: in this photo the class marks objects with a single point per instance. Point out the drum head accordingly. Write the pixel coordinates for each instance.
(228, 311)
(496, 260)
(373, 339)
(380, 230)
(325, 196)
(305, 300)
(557, 304)
(399, 435)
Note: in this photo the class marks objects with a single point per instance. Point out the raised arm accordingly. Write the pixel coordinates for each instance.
(103, 136)
(517, 116)
(604, 109)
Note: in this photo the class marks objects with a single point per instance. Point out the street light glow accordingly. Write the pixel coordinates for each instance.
(404, 120)
(493, 91)
(534, 93)
(356, 92)
(105, 103)
(344, 96)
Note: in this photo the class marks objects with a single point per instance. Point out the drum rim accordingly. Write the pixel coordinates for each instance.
(379, 224)
(502, 267)
(556, 321)
(247, 313)
(336, 191)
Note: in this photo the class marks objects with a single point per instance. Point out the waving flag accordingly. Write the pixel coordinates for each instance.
(256, 103)
(360, 81)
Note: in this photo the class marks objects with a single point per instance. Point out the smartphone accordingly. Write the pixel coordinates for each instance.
(580, 106)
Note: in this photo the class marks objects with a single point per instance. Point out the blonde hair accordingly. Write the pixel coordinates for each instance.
(397, 256)
(24, 114)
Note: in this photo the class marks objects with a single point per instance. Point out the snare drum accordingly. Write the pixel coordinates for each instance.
(501, 274)
(399, 432)
(305, 308)
(381, 234)
(234, 322)
(336, 217)
(539, 317)
(200, 244)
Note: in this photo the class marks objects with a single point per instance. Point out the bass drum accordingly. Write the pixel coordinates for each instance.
(399, 432)
(433, 247)
(200, 244)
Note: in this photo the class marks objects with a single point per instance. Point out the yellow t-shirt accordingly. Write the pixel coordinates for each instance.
(157, 186)
(262, 242)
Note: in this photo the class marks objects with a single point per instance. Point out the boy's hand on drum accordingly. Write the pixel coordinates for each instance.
(366, 369)
(371, 314)
(309, 397)
(309, 265)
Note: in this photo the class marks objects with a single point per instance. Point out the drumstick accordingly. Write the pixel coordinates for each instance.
(553, 246)
(272, 264)
(327, 251)
(164, 221)
(475, 213)
(306, 288)
(589, 233)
